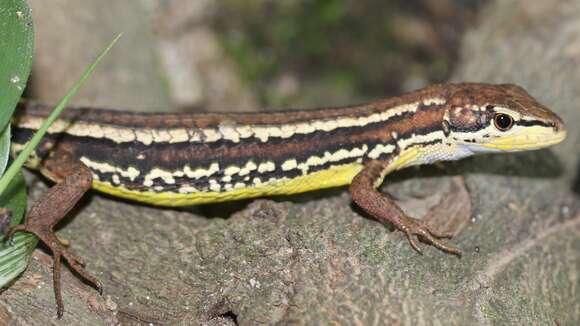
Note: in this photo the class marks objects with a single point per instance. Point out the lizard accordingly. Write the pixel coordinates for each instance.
(181, 159)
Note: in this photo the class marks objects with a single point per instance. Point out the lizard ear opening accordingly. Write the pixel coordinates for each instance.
(465, 119)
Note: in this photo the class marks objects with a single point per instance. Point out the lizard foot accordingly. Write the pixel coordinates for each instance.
(46, 235)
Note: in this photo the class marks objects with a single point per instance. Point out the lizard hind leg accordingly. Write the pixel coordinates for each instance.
(73, 179)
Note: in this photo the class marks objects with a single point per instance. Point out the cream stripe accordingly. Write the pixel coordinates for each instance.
(227, 131)
(131, 172)
(420, 139)
(381, 149)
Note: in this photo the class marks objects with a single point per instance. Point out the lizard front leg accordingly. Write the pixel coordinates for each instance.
(73, 180)
(364, 194)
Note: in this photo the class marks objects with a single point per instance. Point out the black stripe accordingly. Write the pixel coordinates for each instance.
(528, 123)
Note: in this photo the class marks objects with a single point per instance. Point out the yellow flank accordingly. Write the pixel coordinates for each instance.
(405, 159)
(333, 177)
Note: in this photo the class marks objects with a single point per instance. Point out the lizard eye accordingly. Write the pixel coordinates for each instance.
(503, 122)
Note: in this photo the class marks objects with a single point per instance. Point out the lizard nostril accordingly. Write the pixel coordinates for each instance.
(558, 126)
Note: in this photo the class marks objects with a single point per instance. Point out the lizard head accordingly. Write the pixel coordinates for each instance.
(496, 118)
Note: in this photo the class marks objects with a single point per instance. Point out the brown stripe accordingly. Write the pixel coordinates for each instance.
(208, 120)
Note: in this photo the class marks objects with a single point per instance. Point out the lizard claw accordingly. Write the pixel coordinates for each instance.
(413, 242)
(415, 227)
(8, 238)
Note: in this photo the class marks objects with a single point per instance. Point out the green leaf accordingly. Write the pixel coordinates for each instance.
(14, 198)
(16, 48)
(14, 258)
(23, 156)
(4, 148)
